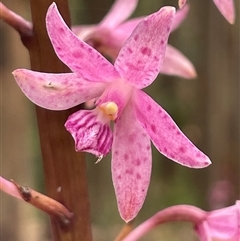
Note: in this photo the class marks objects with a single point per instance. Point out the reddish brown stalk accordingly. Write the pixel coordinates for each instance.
(64, 169)
(127, 228)
(48, 205)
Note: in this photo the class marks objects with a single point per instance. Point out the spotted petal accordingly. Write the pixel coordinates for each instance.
(120, 11)
(131, 164)
(175, 63)
(165, 134)
(56, 91)
(81, 58)
(90, 133)
(141, 57)
(227, 9)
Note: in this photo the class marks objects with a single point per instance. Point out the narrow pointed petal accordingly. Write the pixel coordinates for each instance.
(9, 188)
(227, 9)
(131, 164)
(165, 134)
(224, 222)
(81, 58)
(180, 17)
(120, 11)
(175, 63)
(90, 133)
(141, 57)
(181, 3)
(56, 91)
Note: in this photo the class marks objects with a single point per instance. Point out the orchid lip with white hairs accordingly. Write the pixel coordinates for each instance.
(138, 119)
(110, 34)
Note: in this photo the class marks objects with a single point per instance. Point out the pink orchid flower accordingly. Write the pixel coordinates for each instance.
(222, 224)
(226, 8)
(138, 119)
(110, 34)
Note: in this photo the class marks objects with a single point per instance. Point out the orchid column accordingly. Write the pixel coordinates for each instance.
(65, 170)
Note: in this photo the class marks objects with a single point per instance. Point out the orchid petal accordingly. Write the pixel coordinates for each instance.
(165, 134)
(180, 17)
(227, 9)
(56, 91)
(224, 222)
(141, 57)
(90, 133)
(81, 58)
(175, 63)
(203, 231)
(182, 3)
(120, 11)
(9, 188)
(84, 32)
(131, 164)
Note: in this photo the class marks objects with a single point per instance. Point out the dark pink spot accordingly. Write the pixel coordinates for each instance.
(125, 156)
(178, 133)
(162, 42)
(148, 148)
(90, 50)
(129, 50)
(146, 51)
(168, 28)
(156, 58)
(182, 149)
(77, 54)
(82, 45)
(129, 171)
(165, 150)
(138, 176)
(136, 37)
(137, 162)
(61, 30)
(116, 153)
(149, 107)
(153, 127)
(119, 177)
(198, 154)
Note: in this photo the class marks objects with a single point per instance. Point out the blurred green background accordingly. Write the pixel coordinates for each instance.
(206, 109)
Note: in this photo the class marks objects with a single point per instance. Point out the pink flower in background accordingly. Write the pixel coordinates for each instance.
(226, 8)
(222, 224)
(138, 119)
(110, 34)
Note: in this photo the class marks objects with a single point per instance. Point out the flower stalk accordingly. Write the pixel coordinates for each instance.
(64, 169)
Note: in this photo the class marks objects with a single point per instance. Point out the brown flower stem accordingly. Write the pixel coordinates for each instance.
(21, 25)
(186, 213)
(127, 228)
(48, 205)
(64, 169)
